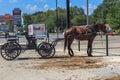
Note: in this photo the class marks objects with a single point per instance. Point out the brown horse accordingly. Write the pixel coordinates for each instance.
(87, 32)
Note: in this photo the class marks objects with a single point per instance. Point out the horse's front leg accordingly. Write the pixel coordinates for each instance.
(89, 48)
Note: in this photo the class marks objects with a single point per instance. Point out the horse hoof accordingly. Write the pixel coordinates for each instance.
(90, 55)
(71, 55)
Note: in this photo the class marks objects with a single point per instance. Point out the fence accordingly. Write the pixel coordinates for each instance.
(107, 45)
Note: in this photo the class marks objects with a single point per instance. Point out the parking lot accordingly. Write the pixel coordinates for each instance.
(30, 66)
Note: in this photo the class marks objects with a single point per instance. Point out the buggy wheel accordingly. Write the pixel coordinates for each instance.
(10, 50)
(46, 50)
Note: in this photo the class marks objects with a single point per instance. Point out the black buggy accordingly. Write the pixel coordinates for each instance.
(12, 48)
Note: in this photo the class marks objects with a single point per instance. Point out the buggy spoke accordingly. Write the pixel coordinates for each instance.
(10, 50)
(46, 50)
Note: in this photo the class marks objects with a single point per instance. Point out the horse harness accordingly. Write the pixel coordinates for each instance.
(86, 30)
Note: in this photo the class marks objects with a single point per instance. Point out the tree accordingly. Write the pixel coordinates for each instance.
(113, 17)
(27, 19)
(50, 19)
(108, 12)
(78, 20)
(77, 16)
(10, 24)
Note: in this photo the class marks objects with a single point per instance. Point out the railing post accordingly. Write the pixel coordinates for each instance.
(107, 53)
(79, 45)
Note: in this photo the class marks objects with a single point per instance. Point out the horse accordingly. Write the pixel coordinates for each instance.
(87, 32)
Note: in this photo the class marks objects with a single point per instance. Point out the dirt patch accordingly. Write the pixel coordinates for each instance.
(70, 63)
(114, 78)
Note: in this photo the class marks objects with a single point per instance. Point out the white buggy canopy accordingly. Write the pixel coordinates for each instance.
(37, 30)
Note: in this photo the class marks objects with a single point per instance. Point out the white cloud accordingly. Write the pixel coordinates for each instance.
(12, 1)
(32, 8)
(59, 5)
(91, 8)
(52, 9)
(46, 7)
(84, 7)
(70, 4)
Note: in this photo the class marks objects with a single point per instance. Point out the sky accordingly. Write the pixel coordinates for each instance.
(32, 6)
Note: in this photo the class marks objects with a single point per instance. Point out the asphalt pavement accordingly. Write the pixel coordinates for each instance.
(99, 44)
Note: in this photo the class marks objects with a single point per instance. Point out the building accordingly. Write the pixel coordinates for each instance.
(15, 19)
(6, 17)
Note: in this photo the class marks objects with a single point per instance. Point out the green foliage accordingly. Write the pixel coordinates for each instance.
(78, 20)
(77, 16)
(50, 18)
(109, 12)
(27, 19)
(10, 24)
(118, 31)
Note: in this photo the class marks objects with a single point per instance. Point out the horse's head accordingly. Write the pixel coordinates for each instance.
(101, 27)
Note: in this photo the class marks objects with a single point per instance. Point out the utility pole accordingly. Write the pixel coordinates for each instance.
(68, 13)
(57, 17)
(87, 7)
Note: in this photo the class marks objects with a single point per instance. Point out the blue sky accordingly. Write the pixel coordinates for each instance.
(31, 6)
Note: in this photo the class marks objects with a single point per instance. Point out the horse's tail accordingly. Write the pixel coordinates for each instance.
(65, 44)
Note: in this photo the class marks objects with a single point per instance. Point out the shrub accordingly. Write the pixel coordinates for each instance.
(118, 31)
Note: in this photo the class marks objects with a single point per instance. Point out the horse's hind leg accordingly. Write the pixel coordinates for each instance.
(70, 51)
(89, 49)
